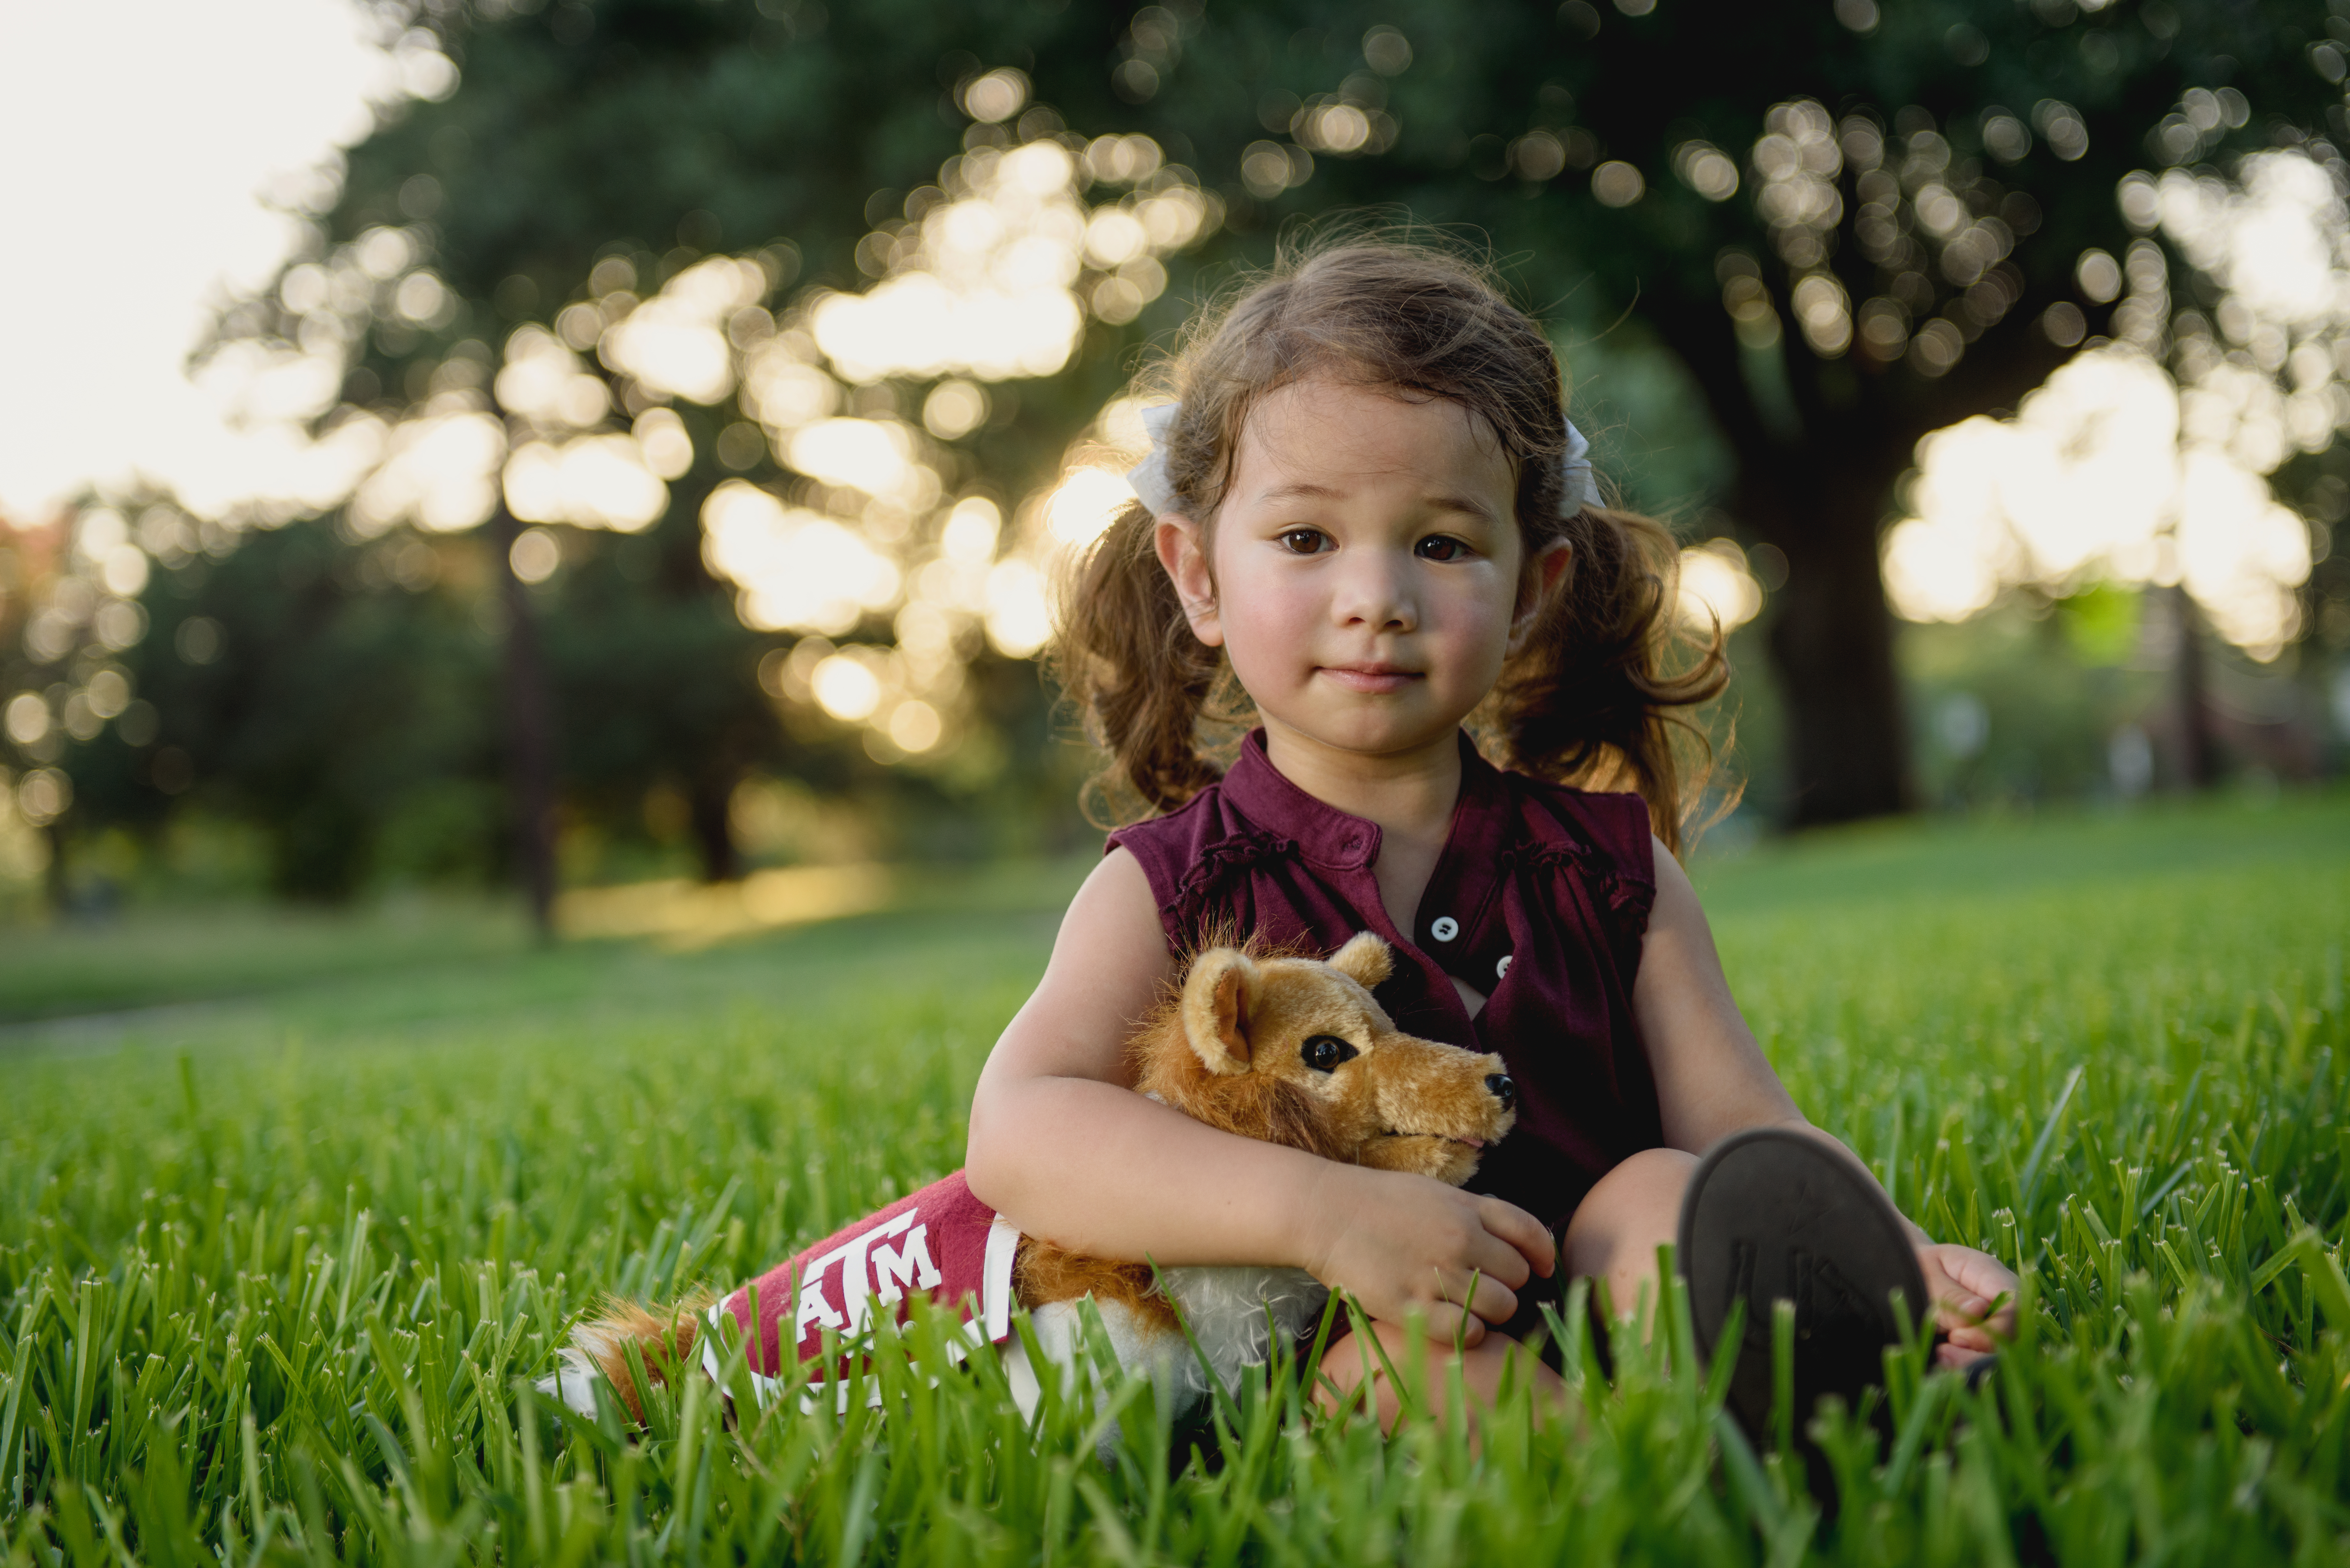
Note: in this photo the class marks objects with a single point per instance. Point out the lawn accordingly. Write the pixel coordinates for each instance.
(291, 1210)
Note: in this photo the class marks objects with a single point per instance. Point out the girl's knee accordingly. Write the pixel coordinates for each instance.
(1372, 1362)
(1364, 1355)
(1654, 1172)
(1641, 1194)
(1631, 1210)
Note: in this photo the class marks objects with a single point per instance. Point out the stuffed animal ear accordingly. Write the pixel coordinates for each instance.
(1364, 959)
(1216, 996)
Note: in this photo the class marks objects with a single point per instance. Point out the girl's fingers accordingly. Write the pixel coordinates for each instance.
(1977, 1273)
(1959, 1307)
(1444, 1314)
(1444, 1323)
(1496, 1262)
(1522, 1231)
(1966, 1283)
(1974, 1301)
(1955, 1356)
(1492, 1300)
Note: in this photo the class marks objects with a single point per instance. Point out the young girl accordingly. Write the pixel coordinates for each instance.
(1367, 524)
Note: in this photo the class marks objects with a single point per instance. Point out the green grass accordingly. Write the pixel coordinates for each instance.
(285, 1228)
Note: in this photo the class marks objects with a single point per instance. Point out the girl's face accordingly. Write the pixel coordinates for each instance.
(1367, 566)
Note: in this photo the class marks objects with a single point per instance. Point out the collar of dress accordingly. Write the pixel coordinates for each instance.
(1340, 840)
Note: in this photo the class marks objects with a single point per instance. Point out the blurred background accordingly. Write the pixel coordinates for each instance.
(610, 458)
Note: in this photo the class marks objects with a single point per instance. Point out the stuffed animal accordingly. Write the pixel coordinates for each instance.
(1288, 1049)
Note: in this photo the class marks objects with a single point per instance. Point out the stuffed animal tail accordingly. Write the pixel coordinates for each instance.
(666, 1341)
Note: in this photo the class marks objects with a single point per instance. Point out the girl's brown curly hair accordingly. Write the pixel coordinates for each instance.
(1594, 697)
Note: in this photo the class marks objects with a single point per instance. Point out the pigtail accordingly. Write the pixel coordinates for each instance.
(1593, 699)
(1597, 696)
(1138, 678)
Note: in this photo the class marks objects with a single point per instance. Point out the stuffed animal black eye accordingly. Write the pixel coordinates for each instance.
(1323, 1053)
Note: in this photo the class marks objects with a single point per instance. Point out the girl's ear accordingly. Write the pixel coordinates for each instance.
(1177, 539)
(1545, 575)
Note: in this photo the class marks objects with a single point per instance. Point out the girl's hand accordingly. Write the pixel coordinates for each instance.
(1965, 1284)
(1402, 1243)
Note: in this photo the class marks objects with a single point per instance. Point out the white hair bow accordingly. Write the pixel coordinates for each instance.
(1578, 485)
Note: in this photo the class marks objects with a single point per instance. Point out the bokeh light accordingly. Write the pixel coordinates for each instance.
(1616, 183)
(991, 274)
(915, 726)
(1716, 588)
(675, 344)
(2091, 482)
(1019, 614)
(872, 455)
(996, 96)
(440, 470)
(2145, 459)
(953, 410)
(798, 570)
(987, 281)
(544, 381)
(668, 448)
(28, 718)
(1706, 169)
(42, 795)
(989, 277)
(535, 556)
(1085, 503)
(846, 687)
(596, 482)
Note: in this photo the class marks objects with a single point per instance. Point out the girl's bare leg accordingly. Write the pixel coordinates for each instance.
(1349, 1361)
(1619, 1224)
(1614, 1237)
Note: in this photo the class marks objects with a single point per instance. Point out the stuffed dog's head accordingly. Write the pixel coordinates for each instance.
(1295, 1051)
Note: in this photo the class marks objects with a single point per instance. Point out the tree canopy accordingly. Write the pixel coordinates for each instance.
(1846, 227)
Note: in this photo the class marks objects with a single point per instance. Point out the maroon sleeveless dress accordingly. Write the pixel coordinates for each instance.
(1540, 901)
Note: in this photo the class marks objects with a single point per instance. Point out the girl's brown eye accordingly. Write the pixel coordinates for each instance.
(1440, 548)
(1302, 541)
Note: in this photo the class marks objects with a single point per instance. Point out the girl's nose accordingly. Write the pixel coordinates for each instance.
(1374, 591)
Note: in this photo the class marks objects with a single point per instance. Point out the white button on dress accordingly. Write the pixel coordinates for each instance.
(1444, 929)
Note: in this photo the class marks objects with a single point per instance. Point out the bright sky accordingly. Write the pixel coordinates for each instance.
(136, 138)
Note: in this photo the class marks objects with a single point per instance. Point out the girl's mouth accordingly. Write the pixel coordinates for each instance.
(1372, 679)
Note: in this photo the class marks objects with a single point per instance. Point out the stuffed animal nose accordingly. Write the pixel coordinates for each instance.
(1503, 1089)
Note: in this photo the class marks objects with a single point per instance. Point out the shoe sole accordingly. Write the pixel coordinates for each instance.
(1772, 1214)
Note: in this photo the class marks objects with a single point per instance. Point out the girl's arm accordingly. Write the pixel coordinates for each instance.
(1062, 1145)
(1713, 1080)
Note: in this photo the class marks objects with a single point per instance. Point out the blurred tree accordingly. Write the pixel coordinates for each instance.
(1851, 227)
(589, 152)
(329, 693)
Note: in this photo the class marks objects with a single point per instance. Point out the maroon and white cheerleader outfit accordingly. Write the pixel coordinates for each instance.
(940, 1243)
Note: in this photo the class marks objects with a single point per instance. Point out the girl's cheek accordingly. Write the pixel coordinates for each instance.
(1265, 626)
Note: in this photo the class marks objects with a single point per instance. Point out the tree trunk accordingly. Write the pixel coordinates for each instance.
(1819, 451)
(2197, 748)
(54, 882)
(1847, 752)
(709, 805)
(529, 734)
